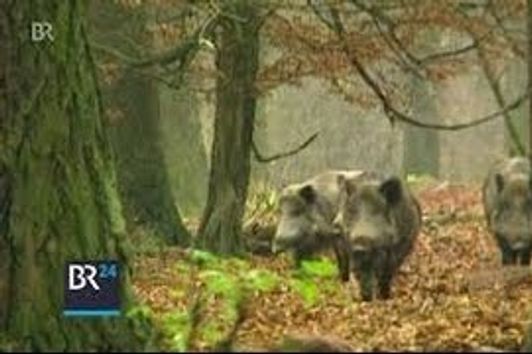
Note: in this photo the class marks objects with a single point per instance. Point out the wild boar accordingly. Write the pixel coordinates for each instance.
(507, 200)
(380, 220)
(307, 211)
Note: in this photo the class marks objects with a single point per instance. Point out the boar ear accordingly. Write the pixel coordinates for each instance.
(340, 180)
(308, 193)
(499, 182)
(392, 190)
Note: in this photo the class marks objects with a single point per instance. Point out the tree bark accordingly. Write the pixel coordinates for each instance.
(527, 347)
(237, 63)
(529, 86)
(59, 200)
(142, 171)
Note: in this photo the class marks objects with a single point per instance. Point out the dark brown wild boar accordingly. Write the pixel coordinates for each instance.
(380, 219)
(307, 211)
(507, 199)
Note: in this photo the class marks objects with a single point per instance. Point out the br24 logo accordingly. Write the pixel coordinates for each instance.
(81, 275)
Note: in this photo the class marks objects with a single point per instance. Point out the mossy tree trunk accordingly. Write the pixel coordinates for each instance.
(141, 167)
(237, 63)
(529, 82)
(58, 188)
(527, 347)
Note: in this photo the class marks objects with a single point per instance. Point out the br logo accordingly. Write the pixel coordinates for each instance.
(92, 288)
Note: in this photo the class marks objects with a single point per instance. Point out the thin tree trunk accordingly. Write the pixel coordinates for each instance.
(142, 171)
(59, 200)
(237, 63)
(516, 146)
(421, 146)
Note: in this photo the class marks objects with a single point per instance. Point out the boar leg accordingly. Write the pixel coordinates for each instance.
(525, 256)
(365, 278)
(342, 258)
(509, 256)
(300, 255)
(385, 286)
(385, 278)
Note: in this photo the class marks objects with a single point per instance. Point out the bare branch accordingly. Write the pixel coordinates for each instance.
(340, 31)
(512, 106)
(407, 59)
(180, 53)
(450, 53)
(399, 48)
(504, 30)
(391, 112)
(175, 54)
(499, 97)
(262, 159)
(319, 14)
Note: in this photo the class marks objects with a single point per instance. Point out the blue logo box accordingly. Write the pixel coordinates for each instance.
(92, 289)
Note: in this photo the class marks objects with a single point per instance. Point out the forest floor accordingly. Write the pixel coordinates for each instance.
(450, 294)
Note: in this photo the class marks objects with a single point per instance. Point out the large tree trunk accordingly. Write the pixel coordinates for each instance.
(58, 192)
(529, 86)
(527, 347)
(142, 172)
(237, 63)
(528, 336)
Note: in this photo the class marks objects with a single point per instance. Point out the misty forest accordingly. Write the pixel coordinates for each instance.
(279, 175)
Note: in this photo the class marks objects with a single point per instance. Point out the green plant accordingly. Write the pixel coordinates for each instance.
(321, 268)
(227, 282)
(179, 324)
(261, 280)
(312, 272)
(307, 289)
(202, 258)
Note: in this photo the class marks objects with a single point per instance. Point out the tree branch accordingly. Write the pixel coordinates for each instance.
(501, 101)
(391, 112)
(449, 53)
(167, 57)
(499, 22)
(407, 59)
(180, 53)
(262, 159)
(378, 16)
